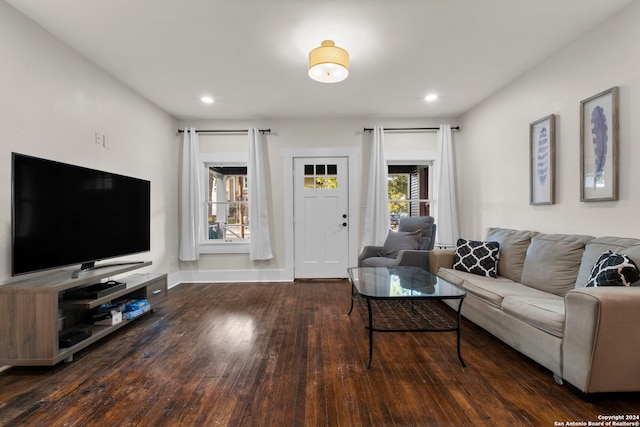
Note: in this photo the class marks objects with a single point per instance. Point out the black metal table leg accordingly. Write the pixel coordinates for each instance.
(370, 333)
(352, 293)
(464, 365)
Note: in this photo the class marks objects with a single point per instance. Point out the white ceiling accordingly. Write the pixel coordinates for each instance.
(251, 55)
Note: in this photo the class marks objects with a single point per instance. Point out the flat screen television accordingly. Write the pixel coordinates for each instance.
(63, 215)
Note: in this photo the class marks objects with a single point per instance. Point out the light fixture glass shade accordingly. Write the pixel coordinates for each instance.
(328, 63)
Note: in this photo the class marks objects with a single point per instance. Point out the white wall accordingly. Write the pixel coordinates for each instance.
(53, 101)
(493, 157)
(305, 137)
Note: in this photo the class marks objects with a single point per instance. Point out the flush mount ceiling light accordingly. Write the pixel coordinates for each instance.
(328, 63)
(431, 97)
(207, 99)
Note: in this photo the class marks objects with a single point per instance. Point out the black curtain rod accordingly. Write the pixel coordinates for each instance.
(426, 129)
(227, 131)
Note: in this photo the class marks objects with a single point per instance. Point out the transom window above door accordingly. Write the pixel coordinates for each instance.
(320, 176)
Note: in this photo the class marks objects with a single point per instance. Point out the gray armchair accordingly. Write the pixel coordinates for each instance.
(395, 252)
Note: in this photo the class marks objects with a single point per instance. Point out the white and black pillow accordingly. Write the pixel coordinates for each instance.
(473, 256)
(613, 269)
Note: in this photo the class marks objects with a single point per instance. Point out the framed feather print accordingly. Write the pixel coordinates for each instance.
(542, 147)
(599, 147)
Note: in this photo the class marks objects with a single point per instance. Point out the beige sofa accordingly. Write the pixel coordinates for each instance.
(587, 336)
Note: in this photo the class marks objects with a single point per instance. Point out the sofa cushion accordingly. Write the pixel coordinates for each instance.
(456, 277)
(459, 278)
(379, 261)
(513, 248)
(553, 261)
(399, 240)
(599, 245)
(493, 291)
(613, 269)
(633, 252)
(477, 257)
(546, 314)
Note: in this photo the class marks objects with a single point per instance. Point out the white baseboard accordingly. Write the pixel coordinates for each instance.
(229, 276)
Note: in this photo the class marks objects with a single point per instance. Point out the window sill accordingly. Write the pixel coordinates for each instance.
(224, 248)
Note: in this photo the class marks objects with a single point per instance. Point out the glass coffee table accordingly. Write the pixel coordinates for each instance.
(404, 299)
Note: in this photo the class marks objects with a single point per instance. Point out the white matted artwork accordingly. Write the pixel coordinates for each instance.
(542, 147)
(599, 147)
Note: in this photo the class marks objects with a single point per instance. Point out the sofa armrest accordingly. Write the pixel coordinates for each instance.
(440, 258)
(368, 252)
(415, 258)
(602, 339)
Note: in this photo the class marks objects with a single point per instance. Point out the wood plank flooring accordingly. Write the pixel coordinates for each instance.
(287, 354)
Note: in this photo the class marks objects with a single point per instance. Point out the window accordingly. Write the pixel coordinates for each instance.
(226, 227)
(320, 176)
(408, 191)
(227, 204)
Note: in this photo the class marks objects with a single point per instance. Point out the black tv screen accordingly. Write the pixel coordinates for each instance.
(64, 214)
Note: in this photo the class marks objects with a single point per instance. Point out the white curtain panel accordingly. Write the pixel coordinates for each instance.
(260, 241)
(190, 197)
(377, 220)
(444, 199)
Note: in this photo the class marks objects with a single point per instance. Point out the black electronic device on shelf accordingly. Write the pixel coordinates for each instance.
(95, 291)
(73, 336)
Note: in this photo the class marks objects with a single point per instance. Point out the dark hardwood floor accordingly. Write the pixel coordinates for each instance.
(287, 354)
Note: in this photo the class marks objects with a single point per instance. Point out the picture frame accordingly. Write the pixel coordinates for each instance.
(599, 147)
(542, 149)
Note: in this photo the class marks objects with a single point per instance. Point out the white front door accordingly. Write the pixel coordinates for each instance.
(321, 217)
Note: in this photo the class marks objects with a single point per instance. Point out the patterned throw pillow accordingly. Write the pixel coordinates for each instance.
(613, 269)
(477, 257)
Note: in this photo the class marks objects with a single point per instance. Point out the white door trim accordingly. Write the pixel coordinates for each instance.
(353, 154)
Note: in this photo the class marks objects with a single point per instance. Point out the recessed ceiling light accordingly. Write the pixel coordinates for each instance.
(207, 99)
(431, 97)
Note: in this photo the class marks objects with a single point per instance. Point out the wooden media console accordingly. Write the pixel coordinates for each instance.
(33, 313)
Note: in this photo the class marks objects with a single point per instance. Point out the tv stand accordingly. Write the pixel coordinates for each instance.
(33, 313)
